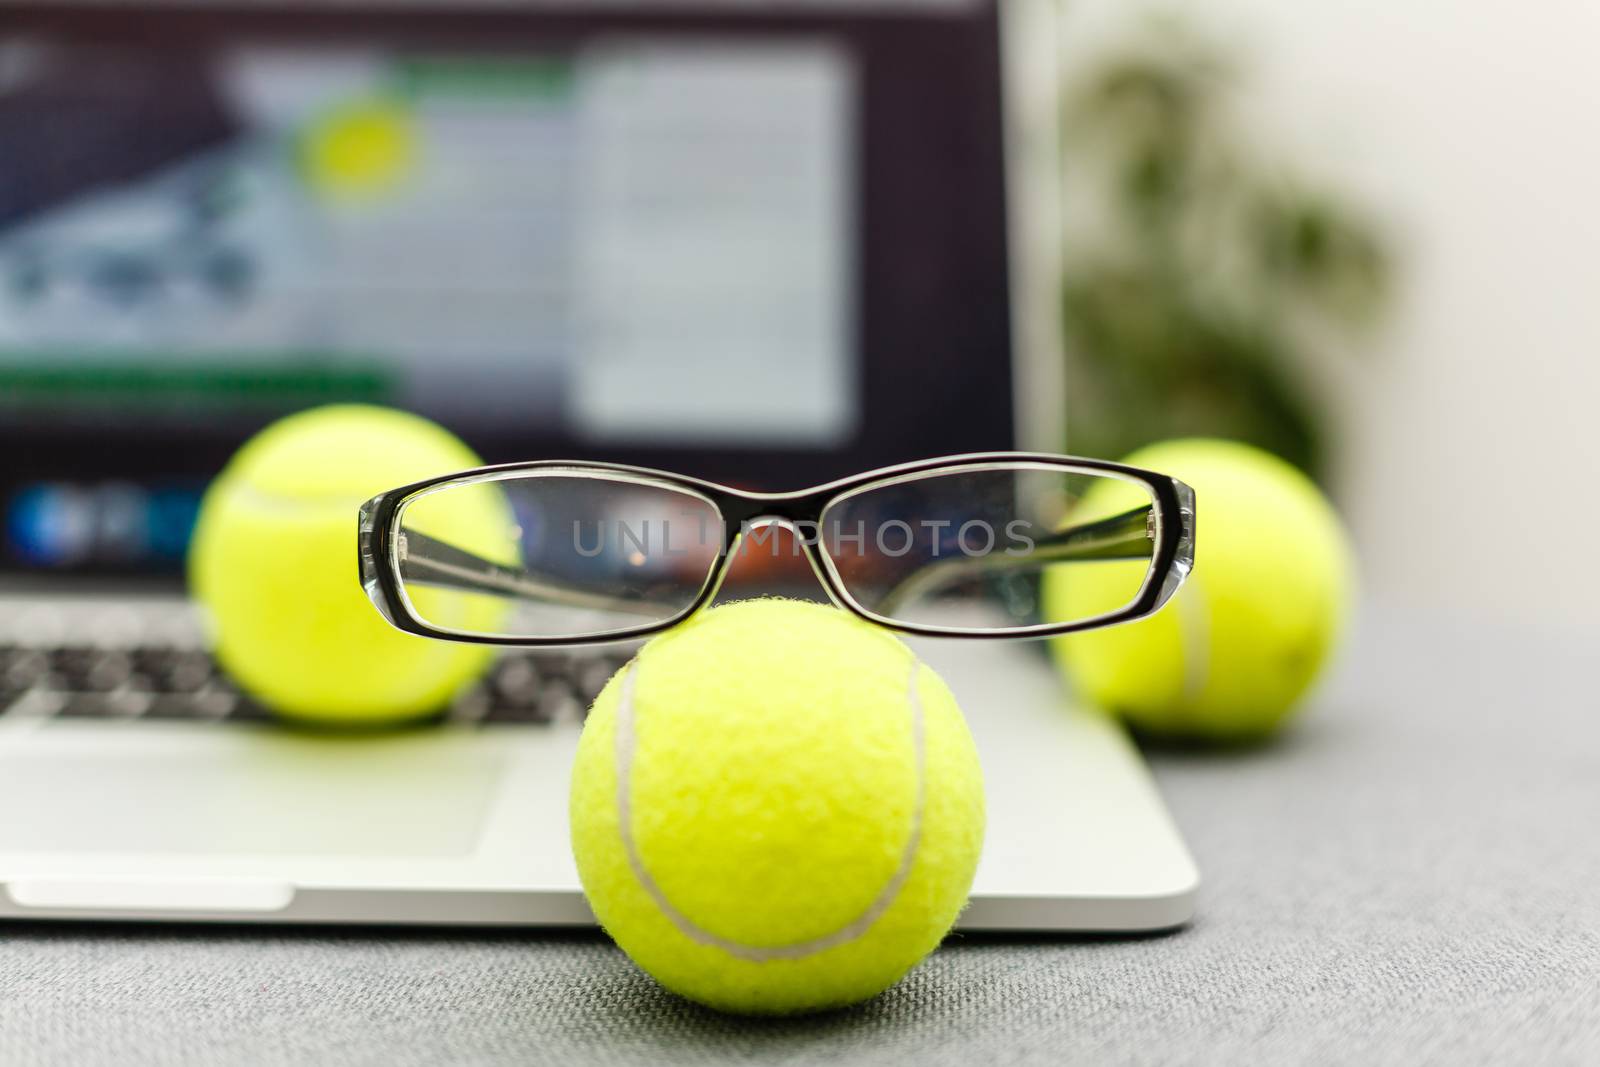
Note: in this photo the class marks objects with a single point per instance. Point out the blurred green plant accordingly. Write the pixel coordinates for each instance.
(1208, 278)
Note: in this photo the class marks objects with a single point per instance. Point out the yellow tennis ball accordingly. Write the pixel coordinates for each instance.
(776, 808)
(1247, 635)
(360, 149)
(273, 564)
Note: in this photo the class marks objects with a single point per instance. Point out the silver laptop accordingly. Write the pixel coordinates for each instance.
(547, 228)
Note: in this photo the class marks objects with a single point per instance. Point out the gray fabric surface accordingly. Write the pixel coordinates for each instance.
(1411, 875)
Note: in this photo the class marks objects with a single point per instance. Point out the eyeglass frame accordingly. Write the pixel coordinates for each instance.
(378, 564)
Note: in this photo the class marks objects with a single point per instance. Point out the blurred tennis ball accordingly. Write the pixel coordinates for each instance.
(273, 563)
(1247, 635)
(776, 808)
(359, 149)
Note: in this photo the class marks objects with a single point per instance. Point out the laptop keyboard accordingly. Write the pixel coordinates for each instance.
(175, 683)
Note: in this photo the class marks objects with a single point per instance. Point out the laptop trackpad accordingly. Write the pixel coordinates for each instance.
(144, 787)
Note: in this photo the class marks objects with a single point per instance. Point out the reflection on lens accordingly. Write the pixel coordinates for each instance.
(1000, 547)
(555, 555)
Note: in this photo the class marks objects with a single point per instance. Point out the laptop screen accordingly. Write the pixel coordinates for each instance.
(766, 249)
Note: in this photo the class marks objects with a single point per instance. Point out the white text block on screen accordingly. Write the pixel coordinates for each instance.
(714, 268)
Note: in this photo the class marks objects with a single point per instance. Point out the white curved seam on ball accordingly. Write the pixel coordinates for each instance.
(625, 745)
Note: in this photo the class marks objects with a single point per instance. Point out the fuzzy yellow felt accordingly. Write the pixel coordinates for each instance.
(1244, 639)
(273, 562)
(776, 808)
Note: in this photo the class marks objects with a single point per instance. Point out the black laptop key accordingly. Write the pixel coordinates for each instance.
(172, 670)
(103, 673)
(118, 705)
(529, 714)
(72, 664)
(516, 682)
(190, 707)
(22, 668)
(246, 710)
(516, 690)
(556, 702)
(551, 665)
(89, 670)
(561, 705)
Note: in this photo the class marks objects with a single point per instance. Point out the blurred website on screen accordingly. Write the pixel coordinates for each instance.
(587, 237)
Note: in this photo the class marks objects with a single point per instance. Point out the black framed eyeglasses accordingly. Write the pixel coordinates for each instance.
(996, 544)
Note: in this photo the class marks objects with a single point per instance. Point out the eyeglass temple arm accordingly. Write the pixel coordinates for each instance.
(427, 560)
(1124, 536)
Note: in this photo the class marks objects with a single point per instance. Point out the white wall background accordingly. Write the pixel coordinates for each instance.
(1469, 459)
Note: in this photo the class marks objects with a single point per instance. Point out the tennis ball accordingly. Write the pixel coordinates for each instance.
(359, 150)
(776, 808)
(1246, 636)
(273, 565)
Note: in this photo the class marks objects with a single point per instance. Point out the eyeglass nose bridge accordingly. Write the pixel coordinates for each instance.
(760, 524)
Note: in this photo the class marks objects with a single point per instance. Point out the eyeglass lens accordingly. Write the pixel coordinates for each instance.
(992, 548)
(555, 555)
